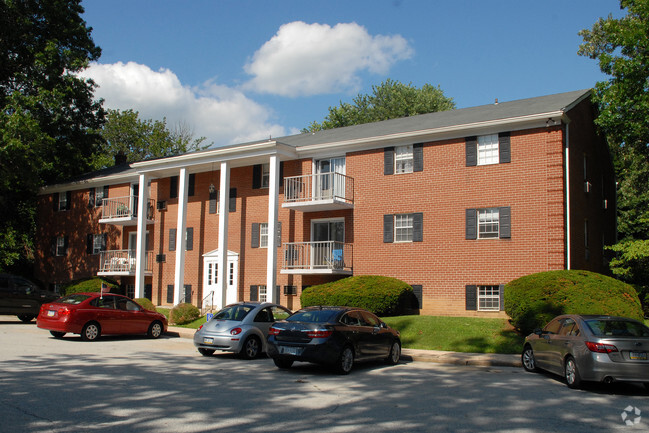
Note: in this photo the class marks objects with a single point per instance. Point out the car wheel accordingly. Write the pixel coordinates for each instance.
(395, 354)
(251, 347)
(155, 330)
(527, 359)
(26, 318)
(345, 361)
(283, 363)
(571, 373)
(205, 352)
(57, 334)
(91, 331)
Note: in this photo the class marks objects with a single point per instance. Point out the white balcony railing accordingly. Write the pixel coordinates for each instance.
(327, 257)
(122, 262)
(124, 209)
(332, 190)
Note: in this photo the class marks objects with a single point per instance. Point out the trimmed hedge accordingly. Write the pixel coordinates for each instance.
(145, 303)
(184, 313)
(89, 285)
(533, 300)
(384, 296)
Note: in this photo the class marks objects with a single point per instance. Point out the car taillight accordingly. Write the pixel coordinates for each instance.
(199, 328)
(600, 347)
(273, 331)
(319, 333)
(235, 331)
(64, 311)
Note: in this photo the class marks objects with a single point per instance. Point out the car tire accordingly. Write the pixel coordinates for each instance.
(345, 361)
(395, 354)
(91, 331)
(205, 352)
(251, 347)
(571, 373)
(57, 334)
(527, 359)
(26, 318)
(155, 329)
(283, 363)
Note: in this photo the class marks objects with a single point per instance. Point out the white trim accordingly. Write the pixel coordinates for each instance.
(567, 181)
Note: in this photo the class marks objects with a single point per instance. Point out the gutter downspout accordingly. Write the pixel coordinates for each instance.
(568, 222)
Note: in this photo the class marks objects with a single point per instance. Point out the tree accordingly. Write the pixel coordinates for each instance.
(390, 100)
(124, 133)
(48, 116)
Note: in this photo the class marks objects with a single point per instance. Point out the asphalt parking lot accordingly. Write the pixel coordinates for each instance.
(123, 384)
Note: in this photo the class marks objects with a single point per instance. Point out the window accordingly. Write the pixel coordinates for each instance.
(98, 243)
(262, 293)
(130, 290)
(488, 223)
(403, 159)
(63, 201)
(61, 247)
(99, 196)
(231, 275)
(488, 149)
(488, 298)
(403, 228)
(265, 175)
(263, 235)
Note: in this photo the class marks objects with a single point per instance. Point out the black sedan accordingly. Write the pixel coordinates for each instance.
(335, 336)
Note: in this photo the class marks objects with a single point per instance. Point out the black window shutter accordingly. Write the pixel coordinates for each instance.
(191, 186)
(388, 160)
(212, 202)
(104, 241)
(101, 202)
(56, 201)
(68, 200)
(173, 187)
(254, 293)
(281, 173)
(89, 239)
(170, 294)
(53, 247)
(65, 245)
(276, 295)
(256, 176)
(418, 157)
(91, 197)
(188, 293)
(418, 227)
(388, 228)
(471, 224)
(190, 239)
(472, 297)
(279, 234)
(504, 148)
(233, 200)
(501, 292)
(418, 290)
(505, 222)
(471, 151)
(172, 239)
(254, 236)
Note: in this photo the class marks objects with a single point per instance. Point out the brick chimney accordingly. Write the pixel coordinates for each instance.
(120, 158)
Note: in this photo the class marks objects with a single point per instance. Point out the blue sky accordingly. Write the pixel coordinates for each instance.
(242, 70)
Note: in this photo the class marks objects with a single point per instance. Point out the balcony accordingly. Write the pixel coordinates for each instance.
(122, 263)
(319, 192)
(123, 211)
(328, 257)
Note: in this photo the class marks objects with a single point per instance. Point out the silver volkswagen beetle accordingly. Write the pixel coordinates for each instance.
(590, 348)
(240, 328)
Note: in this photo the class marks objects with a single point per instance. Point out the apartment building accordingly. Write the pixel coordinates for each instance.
(456, 203)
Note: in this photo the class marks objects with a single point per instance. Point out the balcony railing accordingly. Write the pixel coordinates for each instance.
(123, 210)
(122, 262)
(317, 192)
(327, 257)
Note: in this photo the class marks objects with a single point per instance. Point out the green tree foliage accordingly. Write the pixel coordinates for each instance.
(48, 117)
(390, 100)
(124, 133)
(621, 46)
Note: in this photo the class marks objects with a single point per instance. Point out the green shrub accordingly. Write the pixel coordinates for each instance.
(533, 300)
(383, 296)
(145, 303)
(184, 313)
(90, 285)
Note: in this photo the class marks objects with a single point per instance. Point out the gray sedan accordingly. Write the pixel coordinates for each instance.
(590, 348)
(240, 328)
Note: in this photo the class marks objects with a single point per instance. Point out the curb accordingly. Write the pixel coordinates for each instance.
(417, 355)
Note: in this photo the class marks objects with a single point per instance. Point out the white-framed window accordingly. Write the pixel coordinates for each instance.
(265, 175)
(488, 149)
(99, 196)
(488, 223)
(97, 244)
(488, 298)
(231, 274)
(403, 159)
(63, 201)
(403, 228)
(60, 246)
(263, 235)
(263, 294)
(130, 290)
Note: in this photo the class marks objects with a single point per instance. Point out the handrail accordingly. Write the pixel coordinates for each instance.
(124, 207)
(320, 186)
(330, 255)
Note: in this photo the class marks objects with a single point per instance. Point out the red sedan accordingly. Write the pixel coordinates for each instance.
(94, 314)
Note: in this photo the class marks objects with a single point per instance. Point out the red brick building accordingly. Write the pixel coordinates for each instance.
(455, 203)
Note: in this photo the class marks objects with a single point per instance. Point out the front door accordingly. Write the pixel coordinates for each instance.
(328, 184)
(328, 237)
(211, 295)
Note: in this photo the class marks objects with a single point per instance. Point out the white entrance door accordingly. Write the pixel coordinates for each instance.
(327, 184)
(328, 239)
(211, 294)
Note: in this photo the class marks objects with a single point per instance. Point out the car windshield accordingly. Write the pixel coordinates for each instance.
(617, 328)
(234, 312)
(73, 299)
(316, 316)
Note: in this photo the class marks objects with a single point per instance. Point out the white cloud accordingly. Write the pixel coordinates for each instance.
(309, 59)
(223, 115)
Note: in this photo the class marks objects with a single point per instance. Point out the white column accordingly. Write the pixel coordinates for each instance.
(273, 203)
(181, 228)
(140, 244)
(224, 210)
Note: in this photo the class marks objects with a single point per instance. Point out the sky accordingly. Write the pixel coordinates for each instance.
(236, 71)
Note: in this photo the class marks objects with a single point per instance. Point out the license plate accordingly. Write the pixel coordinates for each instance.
(50, 313)
(286, 350)
(638, 355)
(208, 340)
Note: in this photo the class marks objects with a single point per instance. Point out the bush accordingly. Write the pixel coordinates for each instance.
(145, 303)
(184, 313)
(533, 300)
(89, 285)
(383, 296)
